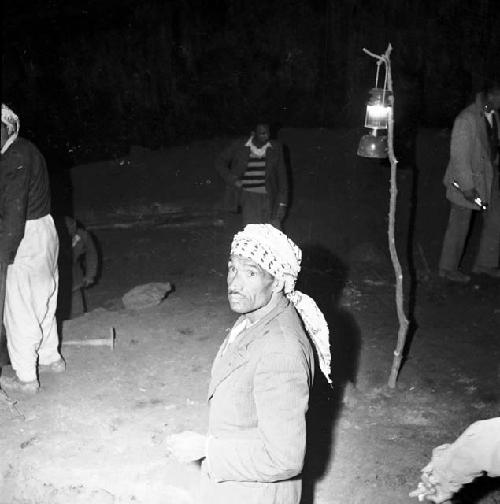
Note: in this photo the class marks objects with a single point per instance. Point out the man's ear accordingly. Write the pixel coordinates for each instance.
(278, 284)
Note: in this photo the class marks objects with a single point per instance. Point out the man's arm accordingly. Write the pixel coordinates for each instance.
(476, 451)
(281, 392)
(223, 163)
(16, 180)
(282, 177)
(462, 137)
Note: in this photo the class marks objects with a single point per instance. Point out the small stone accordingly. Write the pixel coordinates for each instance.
(146, 295)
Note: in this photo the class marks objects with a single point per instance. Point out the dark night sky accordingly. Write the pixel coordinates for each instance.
(108, 73)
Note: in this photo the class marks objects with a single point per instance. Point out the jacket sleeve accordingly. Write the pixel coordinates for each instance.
(281, 393)
(223, 163)
(14, 210)
(462, 136)
(476, 451)
(282, 196)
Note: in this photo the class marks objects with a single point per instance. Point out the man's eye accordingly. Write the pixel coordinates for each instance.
(251, 273)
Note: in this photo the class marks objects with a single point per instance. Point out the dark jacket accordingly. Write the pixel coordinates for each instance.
(24, 194)
(471, 164)
(232, 163)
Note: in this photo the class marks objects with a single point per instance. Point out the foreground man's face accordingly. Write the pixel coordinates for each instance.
(249, 287)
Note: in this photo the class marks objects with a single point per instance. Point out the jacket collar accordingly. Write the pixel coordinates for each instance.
(237, 354)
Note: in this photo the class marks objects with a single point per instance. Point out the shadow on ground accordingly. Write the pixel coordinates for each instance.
(323, 277)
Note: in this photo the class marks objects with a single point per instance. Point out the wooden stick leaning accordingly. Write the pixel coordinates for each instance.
(403, 321)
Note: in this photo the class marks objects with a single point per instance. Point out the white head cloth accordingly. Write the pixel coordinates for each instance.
(274, 252)
(10, 119)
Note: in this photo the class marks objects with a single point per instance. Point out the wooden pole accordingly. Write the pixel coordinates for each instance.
(403, 321)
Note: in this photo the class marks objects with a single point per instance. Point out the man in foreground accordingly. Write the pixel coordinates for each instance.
(29, 245)
(261, 377)
(256, 180)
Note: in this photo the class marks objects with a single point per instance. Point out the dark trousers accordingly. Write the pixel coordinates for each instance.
(458, 228)
(256, 209)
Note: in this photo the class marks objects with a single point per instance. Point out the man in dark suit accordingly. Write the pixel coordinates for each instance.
(259, 389)
(472, 180)
(256, 180)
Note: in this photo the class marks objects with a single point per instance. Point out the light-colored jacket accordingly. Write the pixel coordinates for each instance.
(259, 395)
(471, 163)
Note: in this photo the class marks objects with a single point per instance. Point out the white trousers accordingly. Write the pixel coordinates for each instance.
(31, 299)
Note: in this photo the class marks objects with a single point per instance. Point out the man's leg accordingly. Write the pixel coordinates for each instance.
(21, 322)
(489, 247)
(48, 352)
(30, 300)
(454, 238)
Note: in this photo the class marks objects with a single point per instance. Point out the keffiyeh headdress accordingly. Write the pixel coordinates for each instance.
(274, 252)
(10, 119)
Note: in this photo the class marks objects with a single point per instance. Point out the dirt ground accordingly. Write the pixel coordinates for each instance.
(95, 434)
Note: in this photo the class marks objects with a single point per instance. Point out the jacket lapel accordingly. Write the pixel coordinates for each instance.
(236, 355)
(224, 366)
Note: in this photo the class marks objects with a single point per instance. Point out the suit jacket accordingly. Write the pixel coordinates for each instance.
(471, 163)
(232, 163)
(258, 395)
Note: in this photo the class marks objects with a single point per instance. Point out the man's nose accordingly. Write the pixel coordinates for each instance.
(233, 280)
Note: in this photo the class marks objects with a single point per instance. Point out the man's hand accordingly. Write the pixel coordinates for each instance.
(430, 488)
(238, 183)
(87, 281)
(470, 195)
(187, 446)
(281, 212)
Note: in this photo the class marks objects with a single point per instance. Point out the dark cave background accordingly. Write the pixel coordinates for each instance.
(90, 78)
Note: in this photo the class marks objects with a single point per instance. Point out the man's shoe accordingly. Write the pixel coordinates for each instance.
(483, 270)
(59, 366)
(454, 276)
(14, 384)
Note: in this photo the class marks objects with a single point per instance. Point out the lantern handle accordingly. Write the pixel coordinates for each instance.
(382, 58)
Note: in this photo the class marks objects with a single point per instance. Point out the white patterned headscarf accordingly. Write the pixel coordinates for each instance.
(275, 253)
(10, 119)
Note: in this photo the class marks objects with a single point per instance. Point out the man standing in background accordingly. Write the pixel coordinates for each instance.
(84, 264)
(472, 173)
(256, 180)
(29, 245)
